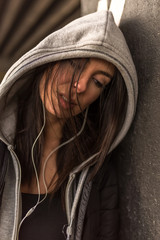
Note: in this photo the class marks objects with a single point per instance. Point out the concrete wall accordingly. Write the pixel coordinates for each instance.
(138, 155)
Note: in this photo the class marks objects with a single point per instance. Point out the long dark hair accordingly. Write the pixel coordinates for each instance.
(105, 118)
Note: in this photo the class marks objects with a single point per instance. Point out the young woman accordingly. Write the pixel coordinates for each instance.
(64, 106)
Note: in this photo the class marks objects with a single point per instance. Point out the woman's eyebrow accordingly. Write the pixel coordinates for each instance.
(106, 74)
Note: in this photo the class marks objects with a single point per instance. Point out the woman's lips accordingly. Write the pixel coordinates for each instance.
(65, 103)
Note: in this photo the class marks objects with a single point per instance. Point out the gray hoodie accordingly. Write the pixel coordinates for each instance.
(95, 35)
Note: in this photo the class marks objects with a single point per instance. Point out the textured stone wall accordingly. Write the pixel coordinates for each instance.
(138, 156)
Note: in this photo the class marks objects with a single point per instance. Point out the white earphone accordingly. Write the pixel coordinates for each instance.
(31, 210)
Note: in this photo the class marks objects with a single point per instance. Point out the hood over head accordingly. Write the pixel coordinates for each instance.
(95, 35)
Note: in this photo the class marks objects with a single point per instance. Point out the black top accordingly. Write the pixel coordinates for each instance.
(46, 222)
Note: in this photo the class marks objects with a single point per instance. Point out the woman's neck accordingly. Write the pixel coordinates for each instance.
(53, 131)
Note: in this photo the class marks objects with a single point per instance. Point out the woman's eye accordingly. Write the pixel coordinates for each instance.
(97, 83)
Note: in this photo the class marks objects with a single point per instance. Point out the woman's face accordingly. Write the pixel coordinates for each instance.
(64, 96)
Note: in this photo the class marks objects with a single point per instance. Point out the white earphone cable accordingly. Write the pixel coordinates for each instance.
(44, 166)
(36, 174)
(63, 144)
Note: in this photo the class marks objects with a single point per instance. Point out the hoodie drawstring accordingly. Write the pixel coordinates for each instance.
(116, 7)
(71, 212)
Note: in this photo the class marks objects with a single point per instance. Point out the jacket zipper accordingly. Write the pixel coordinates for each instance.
(67, 200)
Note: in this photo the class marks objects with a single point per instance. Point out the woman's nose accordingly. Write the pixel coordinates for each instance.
(81, 84)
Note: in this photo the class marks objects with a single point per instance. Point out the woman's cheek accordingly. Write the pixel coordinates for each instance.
(91, 97)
